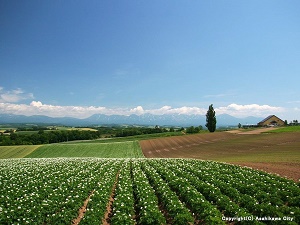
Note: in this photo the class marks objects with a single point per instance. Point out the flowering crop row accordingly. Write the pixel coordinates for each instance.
(141, 191)
(211, 193)
(123, 205)
(148, 212)
(177, 212)
(259, 193)
(247, 191)
(47, 190)
(97, 204)
(202, 208)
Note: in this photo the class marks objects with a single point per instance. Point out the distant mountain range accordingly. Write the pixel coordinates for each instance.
(144, 119)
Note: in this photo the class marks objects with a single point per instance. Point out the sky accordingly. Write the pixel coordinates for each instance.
(79, 58)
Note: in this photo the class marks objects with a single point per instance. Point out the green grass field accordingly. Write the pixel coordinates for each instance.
(286, 129)
(18, 151)
(130, 149)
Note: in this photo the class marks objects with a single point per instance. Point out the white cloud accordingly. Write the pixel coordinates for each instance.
(181, 110)
(138, 110)
(163, 110)
(38, 108)
(248, 110)
(36, 104)
(16, 95)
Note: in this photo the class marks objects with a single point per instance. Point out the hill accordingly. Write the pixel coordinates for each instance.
(271, 152)
(129, 149)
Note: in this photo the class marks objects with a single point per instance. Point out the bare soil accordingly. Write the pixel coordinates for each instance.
(82, 210)
(108, 213)
(277, 153)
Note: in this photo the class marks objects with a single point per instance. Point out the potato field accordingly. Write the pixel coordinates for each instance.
(142, 191)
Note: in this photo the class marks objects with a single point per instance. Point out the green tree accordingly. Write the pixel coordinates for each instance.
(211, 120)
(190, 130)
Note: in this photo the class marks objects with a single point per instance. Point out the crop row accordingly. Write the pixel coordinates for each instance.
(142, 191)
(129, 149)
(49, 190)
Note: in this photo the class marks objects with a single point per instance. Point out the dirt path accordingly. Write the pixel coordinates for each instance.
(82, 210)
(108, 213)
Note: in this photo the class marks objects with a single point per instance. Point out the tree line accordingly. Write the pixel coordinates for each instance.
(44, 136)
(56, 136)
(49, 137)
(132, 131)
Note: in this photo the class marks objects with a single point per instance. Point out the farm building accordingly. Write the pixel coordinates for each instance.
(271, 120)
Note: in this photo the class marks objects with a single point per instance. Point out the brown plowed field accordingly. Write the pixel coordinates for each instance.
(274, 152)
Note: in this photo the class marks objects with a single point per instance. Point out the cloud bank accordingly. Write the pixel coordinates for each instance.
(10, 104)
(248, 110)
(38, 108)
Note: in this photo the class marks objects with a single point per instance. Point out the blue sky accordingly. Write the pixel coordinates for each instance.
(77, 58)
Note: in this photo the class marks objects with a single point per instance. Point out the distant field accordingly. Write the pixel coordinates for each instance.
(286, 129)
(275, 149)
(102, 150)
(19, 151)
(224, 146)
(133, 138)
(83, 129)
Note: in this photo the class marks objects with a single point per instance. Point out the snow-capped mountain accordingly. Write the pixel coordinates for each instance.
(144, 119)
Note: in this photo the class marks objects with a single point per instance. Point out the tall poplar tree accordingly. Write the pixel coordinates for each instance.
(211, 120)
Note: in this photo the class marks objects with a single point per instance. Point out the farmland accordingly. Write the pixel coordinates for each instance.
(273, 152)
(130, 149)
(113, 183)
(287, 129)
(141, 191)
(16, 151)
